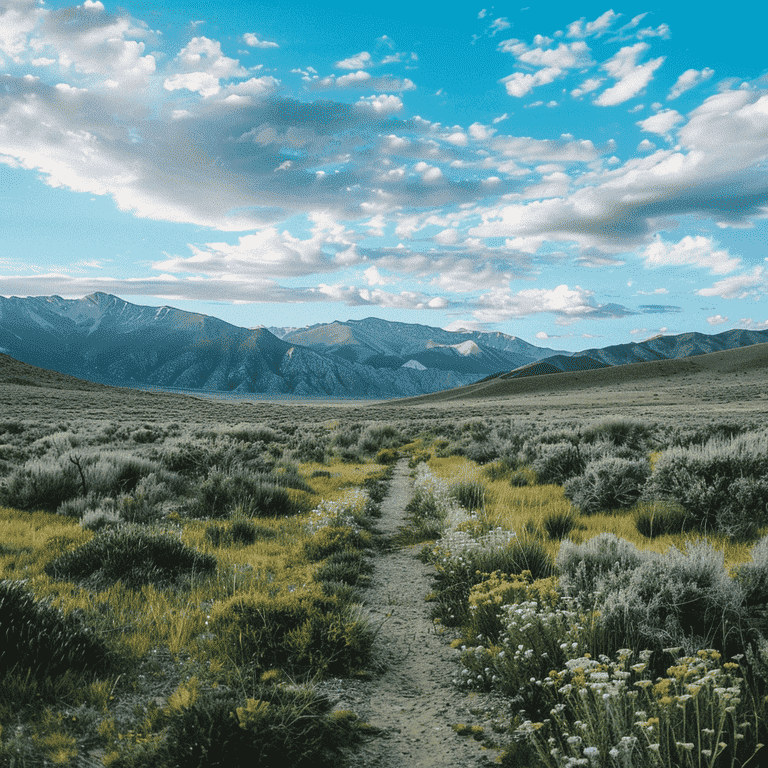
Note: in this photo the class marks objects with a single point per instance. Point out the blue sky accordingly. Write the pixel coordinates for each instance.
(575, 174)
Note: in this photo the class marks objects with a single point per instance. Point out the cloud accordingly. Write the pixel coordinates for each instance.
(267, 253)
(717, 320)
(381, 105)
(689, 79)
(253, 40)
(597, 27)
(553, 62)
(662, 122)
(363, 79)
(355, 296)
(694, 251)
(631, 77)
(717, 172)
(358, 61)
(752, 284)
(566, 303)
(589, 85)
(747, 322)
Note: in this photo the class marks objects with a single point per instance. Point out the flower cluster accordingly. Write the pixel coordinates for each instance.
(697, 716)
(345, 512)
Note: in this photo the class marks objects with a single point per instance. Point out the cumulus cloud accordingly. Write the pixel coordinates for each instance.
(631, 77)
(597, 27)
(717, 320)
(358, 61)
(566, 303)
(385, 104)
(715, 173)
(249, 38)
(662, 122)
(689, 79)
(694, 251)
(748, 285)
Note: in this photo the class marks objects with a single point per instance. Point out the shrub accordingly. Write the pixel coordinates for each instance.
(559, 524)
(681, 599)
(41, 641)
(387, 456)
(132, 555)
(304, 631)
(349, 566)
(753, 579)
(488, 598)
(40, 484)
(607, 484)
(602, 563)
(275, 727)
(558, 462)
(462, 561)
(520, 478)
(335, 538)
(221, 492)
(660, 518)
(469, 495)
(499, 469)
(634, 435)
(722, 485)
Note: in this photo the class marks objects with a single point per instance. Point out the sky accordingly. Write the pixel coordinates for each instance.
(575, 174)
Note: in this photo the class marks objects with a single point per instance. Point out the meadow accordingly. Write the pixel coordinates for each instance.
(179, 575)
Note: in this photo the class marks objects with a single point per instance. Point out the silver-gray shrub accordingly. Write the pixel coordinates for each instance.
(753, 579)
(722, 485)
(608, 483)
(604, 563)
(684, 598)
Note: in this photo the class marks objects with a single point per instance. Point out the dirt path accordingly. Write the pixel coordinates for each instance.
(413, 701)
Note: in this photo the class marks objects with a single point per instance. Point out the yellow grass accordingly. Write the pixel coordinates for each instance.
(515, 508)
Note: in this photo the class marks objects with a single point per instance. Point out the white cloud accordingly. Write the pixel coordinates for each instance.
(752, 284)
(385, 104)
(19, 19)
(253, 40)
(202, 54)
(662, 122)
(568, 304)
(198, 82)
(499, 25)
(696, 251)
(689, 79)
(596, 27)
(363, 79)
(358, 61)
(632, 77)
(646, 146)
(589, 85)
(519, 84)
(753, 325)
(717, 320)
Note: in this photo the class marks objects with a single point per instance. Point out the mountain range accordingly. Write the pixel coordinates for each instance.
(105, 339)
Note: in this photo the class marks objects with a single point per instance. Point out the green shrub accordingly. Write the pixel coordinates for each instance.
(520, 478)
(387, 456)
(132, 555)
(253, 495)
(661, 518)
(629, 433)
(349, 566)
(753, 579)
(469, 495)
(559, 524)
(41, 484)
(276, 726)
(40, 641)
(304, 632)
(607, 484)
(722, 485)
(499, 469)
(335, 538)
(558, 462)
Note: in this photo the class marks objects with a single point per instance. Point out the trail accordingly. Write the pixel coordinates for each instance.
(413, 701)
